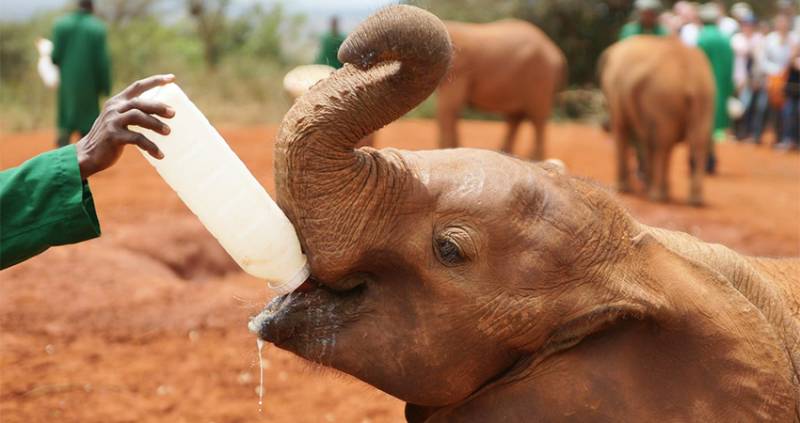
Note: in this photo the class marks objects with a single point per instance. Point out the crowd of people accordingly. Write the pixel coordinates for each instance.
(758, 65)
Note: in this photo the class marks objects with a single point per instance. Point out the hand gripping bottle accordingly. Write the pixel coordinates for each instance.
(217, 187)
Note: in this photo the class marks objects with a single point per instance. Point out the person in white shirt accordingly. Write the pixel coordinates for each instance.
(690, 23)
(774, 59)
(727, 25)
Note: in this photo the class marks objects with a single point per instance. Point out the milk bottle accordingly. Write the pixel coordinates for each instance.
(217, 187)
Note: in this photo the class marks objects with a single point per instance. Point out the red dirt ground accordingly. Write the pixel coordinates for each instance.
(148, 323)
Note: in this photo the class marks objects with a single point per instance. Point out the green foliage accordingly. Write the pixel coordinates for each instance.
(244, 86)
(583, 29)
(24, 101)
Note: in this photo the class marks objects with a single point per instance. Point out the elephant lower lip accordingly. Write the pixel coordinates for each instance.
(287, 316)
(273, 324)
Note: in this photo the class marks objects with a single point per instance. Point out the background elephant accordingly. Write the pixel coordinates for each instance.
(508, 67)
(479, 288)
(659, 93)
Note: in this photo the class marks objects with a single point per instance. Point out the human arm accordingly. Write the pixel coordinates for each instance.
(104, 143)
(46, 201)
(43, 203)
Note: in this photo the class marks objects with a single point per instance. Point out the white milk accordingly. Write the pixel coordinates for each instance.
(217, 187)
(260, 345)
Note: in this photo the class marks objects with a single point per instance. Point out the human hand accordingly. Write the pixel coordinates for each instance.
(103, 145)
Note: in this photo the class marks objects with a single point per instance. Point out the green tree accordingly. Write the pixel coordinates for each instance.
(583, 29)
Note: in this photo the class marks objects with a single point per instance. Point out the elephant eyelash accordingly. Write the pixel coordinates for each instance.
(448, 252)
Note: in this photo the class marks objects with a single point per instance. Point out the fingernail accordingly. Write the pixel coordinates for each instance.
(166, 130)
(170, 111)
(159, 154)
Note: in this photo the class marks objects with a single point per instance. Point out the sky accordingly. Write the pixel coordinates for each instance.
(349, 9)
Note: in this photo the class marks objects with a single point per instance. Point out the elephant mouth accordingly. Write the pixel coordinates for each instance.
(312, 314)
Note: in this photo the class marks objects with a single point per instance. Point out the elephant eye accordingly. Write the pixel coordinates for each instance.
(448, 252)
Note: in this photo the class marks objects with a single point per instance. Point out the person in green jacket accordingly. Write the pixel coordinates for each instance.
(329, 46)
(46, 201)
(647, 21)
(81, 54)
(717, 47)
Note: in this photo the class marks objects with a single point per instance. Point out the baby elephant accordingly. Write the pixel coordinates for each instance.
(508, 67)
(659, 93)
(482, 288)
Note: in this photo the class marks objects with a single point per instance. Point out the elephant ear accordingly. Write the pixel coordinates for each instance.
(719, 334)
(674, 285)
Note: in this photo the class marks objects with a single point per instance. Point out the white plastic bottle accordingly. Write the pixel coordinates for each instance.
(217, 187)
(47, 70)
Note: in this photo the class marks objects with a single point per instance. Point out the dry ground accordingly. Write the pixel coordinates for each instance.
(148, 323)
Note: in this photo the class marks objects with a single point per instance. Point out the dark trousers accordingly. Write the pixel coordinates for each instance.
(791, 120)
(751, 122)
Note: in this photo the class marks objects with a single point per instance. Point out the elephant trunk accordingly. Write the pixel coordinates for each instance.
(393, 61)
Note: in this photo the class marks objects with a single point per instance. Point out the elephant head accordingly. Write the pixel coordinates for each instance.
(407, 247)
(435, 272)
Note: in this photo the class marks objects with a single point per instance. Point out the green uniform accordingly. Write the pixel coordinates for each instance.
(329, 50)
(635, 28)
(44, 203)
(720, 53)
(80, 52)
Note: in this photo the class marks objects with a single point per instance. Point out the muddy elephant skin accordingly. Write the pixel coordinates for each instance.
(508, 67)
(478, 287)
(659, 93)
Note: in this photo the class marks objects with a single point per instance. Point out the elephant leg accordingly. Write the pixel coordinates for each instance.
(540, 127)
(450, 99)
(448, 130)
(698, 153)
(645, 149)
(622, 142)
(665, 163)
(513, 122)
(656, 190)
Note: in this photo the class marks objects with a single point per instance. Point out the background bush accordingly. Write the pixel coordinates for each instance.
(232, 64)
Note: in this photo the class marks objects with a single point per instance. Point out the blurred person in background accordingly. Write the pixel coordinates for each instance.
(671, 22)
(742, 11)
(774, 58)
(717, 47)
(791, 8)
(790, 138)
(764, 27)
(646, 21)
(726, 24)
(81, 54)
(690, 24)
(748, 76)
(329, 46)
(46, 201)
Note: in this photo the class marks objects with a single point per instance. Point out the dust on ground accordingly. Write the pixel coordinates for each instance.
(148, 323)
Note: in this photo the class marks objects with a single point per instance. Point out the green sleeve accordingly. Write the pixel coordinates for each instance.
(44, 203)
